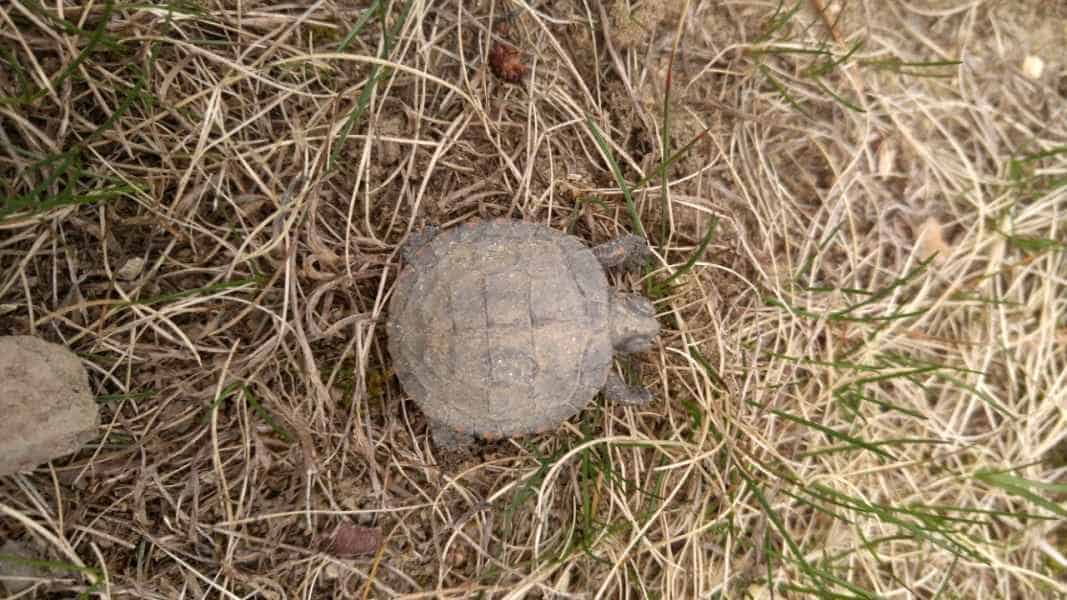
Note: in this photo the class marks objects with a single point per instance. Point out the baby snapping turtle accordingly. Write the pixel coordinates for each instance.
(504, 328)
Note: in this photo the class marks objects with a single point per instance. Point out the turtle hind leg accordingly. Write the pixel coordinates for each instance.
(446, 438)
(629, 252)
(617, 390)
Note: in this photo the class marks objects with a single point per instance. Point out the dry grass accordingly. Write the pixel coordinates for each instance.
(860, 386)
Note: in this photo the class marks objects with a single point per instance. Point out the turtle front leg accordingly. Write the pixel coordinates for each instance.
(628, 252)
(617, 390)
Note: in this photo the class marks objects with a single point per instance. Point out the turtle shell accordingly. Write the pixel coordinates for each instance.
(500, 328)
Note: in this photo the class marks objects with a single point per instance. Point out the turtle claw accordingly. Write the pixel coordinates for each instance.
(617, 390)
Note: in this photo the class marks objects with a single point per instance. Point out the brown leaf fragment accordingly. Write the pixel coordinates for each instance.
(352, 540)
(506, 62)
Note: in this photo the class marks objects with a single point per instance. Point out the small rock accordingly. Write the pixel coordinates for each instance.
(131, 269)
(1033, 67)
(48, 409)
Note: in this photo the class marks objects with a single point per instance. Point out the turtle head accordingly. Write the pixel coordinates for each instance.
(633, 323)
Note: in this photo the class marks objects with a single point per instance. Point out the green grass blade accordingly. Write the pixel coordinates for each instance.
(364, 18)
(695, 256)
(869, 446)
(1024, 488)
(376, 74)
(661, 170)
(264, 414)
(784, 93)
(95, 38)
(616, 171)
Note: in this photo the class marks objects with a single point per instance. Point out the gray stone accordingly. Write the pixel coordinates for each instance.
(504, 328)
(47, 407)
